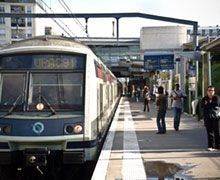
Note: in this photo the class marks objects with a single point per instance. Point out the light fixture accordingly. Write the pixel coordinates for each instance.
(78, 129)
(40, 106)
(73, 129)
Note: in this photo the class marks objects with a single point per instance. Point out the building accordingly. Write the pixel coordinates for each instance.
(15, 29)
(204, 31)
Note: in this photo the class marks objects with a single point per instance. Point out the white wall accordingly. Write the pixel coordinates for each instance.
(41, 23)
(163, 37)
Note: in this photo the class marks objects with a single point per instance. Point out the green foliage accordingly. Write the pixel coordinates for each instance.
(216, 76)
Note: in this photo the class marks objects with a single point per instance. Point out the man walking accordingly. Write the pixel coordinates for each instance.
(177, 103)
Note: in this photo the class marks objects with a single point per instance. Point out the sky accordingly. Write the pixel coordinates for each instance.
(206, 13)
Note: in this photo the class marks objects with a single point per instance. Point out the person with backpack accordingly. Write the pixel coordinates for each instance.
(177, 96)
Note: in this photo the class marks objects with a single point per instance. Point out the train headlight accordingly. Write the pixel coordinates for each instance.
(40, 106)
(5, 129)
(78, 129)
(69, 129)
(73, 129)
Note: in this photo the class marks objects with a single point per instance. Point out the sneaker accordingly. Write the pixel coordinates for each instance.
(159, 133)
(212, 149)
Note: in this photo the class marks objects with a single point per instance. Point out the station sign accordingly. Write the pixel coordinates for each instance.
(159, 62)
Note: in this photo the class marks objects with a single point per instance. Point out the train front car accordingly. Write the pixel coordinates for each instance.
(45, 119)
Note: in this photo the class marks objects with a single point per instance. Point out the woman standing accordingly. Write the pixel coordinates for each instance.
(146, 96)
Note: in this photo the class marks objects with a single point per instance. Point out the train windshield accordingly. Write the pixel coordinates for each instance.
(59, 90)
(12, 88)
(49, 81)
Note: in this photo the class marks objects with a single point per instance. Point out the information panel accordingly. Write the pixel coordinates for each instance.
(159, 62)
(43, 61)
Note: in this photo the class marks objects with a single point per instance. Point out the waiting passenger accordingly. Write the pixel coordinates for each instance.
(177, 104)
(138, 94)
(210, 103)
(146, 96)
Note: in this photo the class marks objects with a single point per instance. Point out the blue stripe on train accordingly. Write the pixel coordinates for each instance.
(39, 127)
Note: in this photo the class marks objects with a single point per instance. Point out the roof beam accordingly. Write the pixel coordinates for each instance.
(97, 15)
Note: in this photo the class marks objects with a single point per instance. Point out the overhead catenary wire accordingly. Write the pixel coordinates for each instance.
(68, 10)
(70, 33)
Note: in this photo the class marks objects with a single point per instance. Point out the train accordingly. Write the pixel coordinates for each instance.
(57, 99)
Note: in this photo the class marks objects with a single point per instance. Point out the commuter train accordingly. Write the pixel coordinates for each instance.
(57, 99)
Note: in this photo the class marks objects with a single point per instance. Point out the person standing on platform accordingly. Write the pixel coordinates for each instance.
(138, 94)
(161, 111)
(177, 103)
(146, 96)
(209, 104)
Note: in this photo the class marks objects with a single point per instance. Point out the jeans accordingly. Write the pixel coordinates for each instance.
(161, 125)
(146, 104)
(212, 128)
(177, 115)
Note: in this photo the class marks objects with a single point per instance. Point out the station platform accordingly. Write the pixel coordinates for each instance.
(133, 150)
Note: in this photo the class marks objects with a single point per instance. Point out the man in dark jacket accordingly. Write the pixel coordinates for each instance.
(161, 111)
(209, 103)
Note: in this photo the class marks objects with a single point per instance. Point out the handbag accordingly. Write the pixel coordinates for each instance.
(215, 113)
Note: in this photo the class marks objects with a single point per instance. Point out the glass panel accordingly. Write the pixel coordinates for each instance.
(17, 9)
(2, 8)
(29, 22)
(2, 20)
(61, 91)
(29, 10)
(2, 32)
(17, 22)
(12, 90)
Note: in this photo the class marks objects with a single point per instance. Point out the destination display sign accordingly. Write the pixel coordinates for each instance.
(159, 62)
(43, 61)
(54, 63)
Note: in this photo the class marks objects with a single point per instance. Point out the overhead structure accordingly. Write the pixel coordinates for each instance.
(117, 16)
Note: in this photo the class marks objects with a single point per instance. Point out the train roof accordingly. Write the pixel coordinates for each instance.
(49, 43)
(40, 43)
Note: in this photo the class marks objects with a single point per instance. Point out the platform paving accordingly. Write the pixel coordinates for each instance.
(137, 152)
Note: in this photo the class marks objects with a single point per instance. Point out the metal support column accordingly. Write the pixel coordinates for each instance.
(86, 19)
(195, 45)
(204, 73)
(209, 68)
(117, 30)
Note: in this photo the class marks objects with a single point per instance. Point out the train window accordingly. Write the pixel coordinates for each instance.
(61, 90)
(12, 91)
